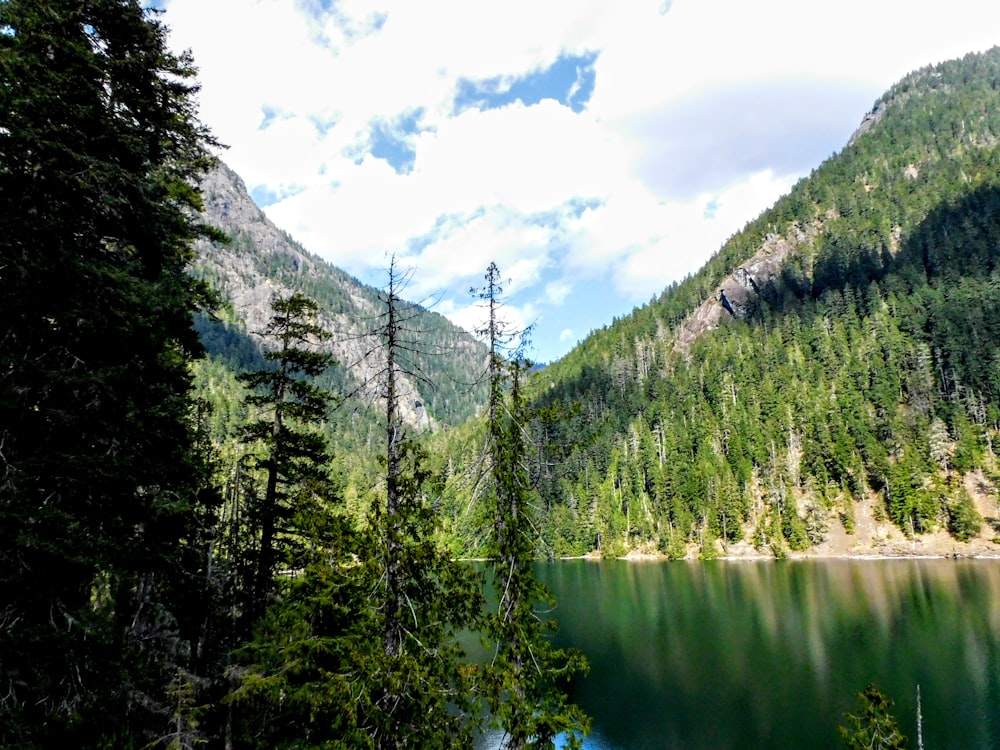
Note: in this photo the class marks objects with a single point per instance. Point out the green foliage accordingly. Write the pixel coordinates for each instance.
(964, 521)
(291, 453)
(873, 727)
(847, 517)
(523, 684)
(300, 680)
(816, 523)
(417, 675)
(708, 549)
(912, 503)
(865, 366)
(356, 643)
(675, 547)
(105, 511)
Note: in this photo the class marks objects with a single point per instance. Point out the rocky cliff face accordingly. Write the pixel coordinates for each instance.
(739, 291)
(235, 268)
(261, 262)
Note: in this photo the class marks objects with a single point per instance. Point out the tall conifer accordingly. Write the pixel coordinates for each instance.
(100, 512)
(418, 677)
(524, 685)
(295, 454)
(296, 679)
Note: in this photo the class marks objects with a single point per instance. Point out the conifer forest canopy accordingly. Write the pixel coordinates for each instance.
(237, 486)
(160, 588)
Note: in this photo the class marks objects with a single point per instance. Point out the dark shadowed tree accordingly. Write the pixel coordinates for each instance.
(102, 514)
(295, 457)
(298, 679)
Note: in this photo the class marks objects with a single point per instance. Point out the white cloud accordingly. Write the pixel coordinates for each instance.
(556, 292)
(472, 316)
(506, 184)
(566, 334)
(703, 44)
(518, 247)
(642, 244)
(690, 237)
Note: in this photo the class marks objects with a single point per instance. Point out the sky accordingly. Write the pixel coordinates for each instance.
(595, 150)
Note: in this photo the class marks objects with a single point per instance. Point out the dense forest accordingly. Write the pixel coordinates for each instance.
(851, 365)
(236, 485)
(175, 578)
(864, 368)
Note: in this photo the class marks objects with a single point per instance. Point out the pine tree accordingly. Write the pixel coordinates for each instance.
(103, 512)
(295, 453)
(524, 681)
(875, 728)
(418, 692)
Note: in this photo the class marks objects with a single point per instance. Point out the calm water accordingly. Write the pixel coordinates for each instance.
(772, 654)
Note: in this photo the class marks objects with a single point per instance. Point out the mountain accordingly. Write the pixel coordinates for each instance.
(829, 379)
(261, 262)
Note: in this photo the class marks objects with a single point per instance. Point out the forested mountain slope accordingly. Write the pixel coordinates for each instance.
(185, 560)
(261, 262)
(838, 353)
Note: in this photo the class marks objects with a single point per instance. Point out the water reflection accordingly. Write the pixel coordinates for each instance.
(771, 655)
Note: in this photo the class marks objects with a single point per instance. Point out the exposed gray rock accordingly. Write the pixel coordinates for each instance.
(739, 292)
(870, 120)
(243, 272)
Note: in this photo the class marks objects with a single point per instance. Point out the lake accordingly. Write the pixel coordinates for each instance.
(773, 654)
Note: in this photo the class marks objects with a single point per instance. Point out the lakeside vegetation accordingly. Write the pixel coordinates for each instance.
(865, 371)
(203, 550)
(161, 587)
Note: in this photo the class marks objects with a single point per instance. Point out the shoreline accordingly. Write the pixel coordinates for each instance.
(872, 537)
(792, 557)
(641, 556)
(885, 544)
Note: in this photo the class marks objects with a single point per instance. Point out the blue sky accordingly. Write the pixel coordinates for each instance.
(595, 150)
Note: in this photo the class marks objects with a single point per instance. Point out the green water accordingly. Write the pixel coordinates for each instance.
(772, 654)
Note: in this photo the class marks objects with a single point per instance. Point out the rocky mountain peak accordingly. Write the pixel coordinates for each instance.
(261, 263)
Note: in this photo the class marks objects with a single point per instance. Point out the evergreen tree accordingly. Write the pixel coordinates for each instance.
(525, 678)
(302, 680)
(102, 509)
(418, 692)
(874, 728)
(295, 453)
(297, 679)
